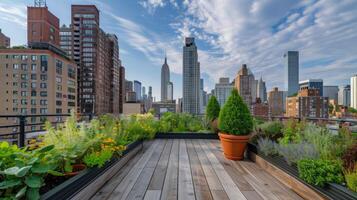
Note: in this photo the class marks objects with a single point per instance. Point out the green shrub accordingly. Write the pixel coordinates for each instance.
(98, 159)
(213, 108)
(319, 172)
(351, 180)
(294, 152)
(180, 122)
(292, 132)
(272, 130)
(235, 117)
(267, 146)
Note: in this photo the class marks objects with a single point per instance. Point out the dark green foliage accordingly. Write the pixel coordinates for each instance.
(272, 130)
(235, 117)
(180, 122)
(213, 108)
(319, 172)
(292, 132)
(352, 110)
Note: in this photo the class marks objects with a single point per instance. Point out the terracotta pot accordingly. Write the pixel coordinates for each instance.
(234, 145)
(76, 169)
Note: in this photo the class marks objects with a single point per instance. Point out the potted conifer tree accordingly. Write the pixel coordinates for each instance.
(212, 113)
(235, 124)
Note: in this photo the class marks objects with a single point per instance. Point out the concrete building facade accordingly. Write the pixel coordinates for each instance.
(313, 84)
(276, 102)
(245, 84)
(222, 90)
(344, 95)
(354, 91)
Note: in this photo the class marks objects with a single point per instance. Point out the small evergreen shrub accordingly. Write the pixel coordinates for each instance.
(235, 117)
(320, 172)
(272, 130)
(213, 108)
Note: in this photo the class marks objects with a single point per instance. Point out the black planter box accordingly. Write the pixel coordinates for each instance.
(331, 190)
(186, 135)
(72, 186)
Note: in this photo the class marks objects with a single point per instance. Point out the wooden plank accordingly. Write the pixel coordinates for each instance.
(237, 177)
(109, 187)
(228, 184)
(264, 192)
(185, 183)
(157, 180)
(252, 195)
(95, 185)
(123, 189)
(219, 195)
(141, 184)
(201, 188)
(289, 181)
(169, 191)
(152, 195)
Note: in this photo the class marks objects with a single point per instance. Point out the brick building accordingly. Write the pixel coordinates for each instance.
(4, 40)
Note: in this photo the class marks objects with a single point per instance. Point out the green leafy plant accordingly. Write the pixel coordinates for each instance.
(349, 159)
(180, 122)
(351, 180)
(272, 130)
(213, 108)
(319, 172)
(291, 132)
(27, 176)
(98, 159)
(235, 117)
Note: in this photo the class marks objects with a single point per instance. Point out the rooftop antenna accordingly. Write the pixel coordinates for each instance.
(40, 3)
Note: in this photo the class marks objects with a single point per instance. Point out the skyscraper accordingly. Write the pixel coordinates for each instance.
(191, 78)
(66, 40)
(165, 80)
(344, 95)
(170, 91)
(354, 91)
(245, 82)
(291, 72)
(261, 90)
(137, 90)
(222, 90)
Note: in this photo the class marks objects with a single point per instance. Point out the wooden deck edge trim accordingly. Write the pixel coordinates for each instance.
(292, 183)
(92, 188)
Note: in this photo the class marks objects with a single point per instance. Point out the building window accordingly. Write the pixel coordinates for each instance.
(43, 85)
(24, 77)
(43, 102)
(59, 67)
(58, 79)
(33, 77)
(33, 93)
(43, 110)
(58, 110)
(24, 85)
(58, 95)
(58, 103)
(33, 102)
(15, 66)
(33, 57)
(71, 72)
(33, 110)
(23, 111)
(23, 101)
(43, 93)
(43, 77)
(24, 57)
(14, 93)
(15, 109)
(24, 67)
(59, 87)
(24, 93)
(33, 67)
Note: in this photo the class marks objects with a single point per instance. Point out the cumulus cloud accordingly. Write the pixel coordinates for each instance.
(14, 14)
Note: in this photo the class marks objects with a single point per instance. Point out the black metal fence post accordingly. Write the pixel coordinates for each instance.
(22, 131)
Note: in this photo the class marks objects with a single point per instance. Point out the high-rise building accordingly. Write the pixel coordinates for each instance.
(202, 106)
(4, 40)
(165, 80)
(42, 26)
(291, 72)
(97, 56)
(170, 91)
(66, 40)
(331, 92)
(261, 90)
(150, 92)
(143, 91)
(128, 86)
(308, 103)
(122, 88)
(191, 78)
(276, 102)
(222, 90)
(344, 95)
(313, 84)
(137, 90)
(354, 91)
(245, 84)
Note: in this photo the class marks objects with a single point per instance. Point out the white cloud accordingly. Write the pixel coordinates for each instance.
(14, 13)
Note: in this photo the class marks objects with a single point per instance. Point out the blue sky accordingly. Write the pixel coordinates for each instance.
(228, 33)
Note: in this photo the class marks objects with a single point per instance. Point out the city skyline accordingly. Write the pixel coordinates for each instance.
(303, 23)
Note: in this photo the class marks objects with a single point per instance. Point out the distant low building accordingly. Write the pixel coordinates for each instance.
(4, 40)
(260, 109)
(130, 97)
(276, 102)
(162, 107)
(133, 108)
(308, 103)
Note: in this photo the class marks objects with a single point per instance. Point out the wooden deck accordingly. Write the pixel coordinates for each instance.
(191, 169)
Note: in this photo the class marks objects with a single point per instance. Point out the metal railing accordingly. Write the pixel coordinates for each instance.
(20, 134)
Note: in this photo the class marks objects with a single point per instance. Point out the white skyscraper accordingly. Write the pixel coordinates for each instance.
(191, 78)
(354, 91)
(344, 95)
(170, 91)
(222, 90)
(165, 80)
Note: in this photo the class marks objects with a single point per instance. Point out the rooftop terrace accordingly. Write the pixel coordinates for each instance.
(191, 169)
